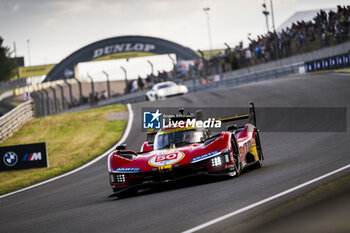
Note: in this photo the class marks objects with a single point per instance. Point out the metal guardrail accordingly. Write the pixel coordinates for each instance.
(11, 121)
(6, 94)
(194, 85)
(47, 106)
(12, 84)
(237, 80)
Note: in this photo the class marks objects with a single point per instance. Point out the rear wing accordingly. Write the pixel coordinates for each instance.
(250, 116)
(151, 133)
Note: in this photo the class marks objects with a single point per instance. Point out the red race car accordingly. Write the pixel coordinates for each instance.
(174, 153)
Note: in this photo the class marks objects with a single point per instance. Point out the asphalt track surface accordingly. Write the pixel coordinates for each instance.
(79, 203)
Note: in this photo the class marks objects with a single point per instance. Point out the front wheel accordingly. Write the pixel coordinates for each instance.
(238, 167)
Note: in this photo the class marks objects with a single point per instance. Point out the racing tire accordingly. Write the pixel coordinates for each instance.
(238, 165)
(259, 163)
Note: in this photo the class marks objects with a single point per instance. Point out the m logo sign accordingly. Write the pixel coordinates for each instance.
(32, 156)
(23, 157)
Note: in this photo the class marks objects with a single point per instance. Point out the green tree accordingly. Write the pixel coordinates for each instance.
(6, 63)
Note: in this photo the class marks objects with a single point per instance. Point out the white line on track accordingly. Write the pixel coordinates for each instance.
(236, 212)
(125, 135)
(342, 74)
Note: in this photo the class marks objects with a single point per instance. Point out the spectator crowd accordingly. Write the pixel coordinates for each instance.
(326, 29)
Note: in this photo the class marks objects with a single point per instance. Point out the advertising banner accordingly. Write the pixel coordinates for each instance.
(32, 71)
(23, 156)
(117, 48)
(329, 63)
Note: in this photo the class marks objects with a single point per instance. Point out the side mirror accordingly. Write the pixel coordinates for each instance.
(199, 115)
(121, 147)
(252, 117)
(231, 128)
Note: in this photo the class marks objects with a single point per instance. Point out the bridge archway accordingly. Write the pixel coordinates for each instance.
(118, 47)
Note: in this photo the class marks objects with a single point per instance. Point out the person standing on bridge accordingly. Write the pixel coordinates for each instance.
(140, 83)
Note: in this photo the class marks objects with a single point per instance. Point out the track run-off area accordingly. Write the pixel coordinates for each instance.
(78, 202)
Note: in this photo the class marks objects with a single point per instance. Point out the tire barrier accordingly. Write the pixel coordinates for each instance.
(37, 87)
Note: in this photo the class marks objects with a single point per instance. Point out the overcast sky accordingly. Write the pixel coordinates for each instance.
(56, 28)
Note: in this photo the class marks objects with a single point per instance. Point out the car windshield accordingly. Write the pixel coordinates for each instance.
(165, 85)
(165, 140)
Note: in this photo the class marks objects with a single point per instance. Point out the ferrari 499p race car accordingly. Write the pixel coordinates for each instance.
(175, 153)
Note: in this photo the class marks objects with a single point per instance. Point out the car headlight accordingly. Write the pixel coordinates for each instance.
(161, 92)
(221, 159)
(183, 89)
(117, 178)
(216, 161)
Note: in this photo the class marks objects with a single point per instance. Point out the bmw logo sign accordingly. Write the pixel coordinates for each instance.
(10, 159)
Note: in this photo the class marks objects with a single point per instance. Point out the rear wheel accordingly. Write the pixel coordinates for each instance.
(259, 150)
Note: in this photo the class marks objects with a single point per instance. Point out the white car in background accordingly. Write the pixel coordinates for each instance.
(165, 89)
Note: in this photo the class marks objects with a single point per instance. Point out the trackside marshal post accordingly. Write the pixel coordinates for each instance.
(23, 156)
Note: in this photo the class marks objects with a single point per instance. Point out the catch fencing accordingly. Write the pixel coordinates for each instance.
(219, 81)
(49, 102)
(12, 84)
(196, 85)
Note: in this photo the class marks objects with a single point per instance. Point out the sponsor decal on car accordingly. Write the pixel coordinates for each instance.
(127, 169)
(176, 130)
(166, 159)
(205, 156)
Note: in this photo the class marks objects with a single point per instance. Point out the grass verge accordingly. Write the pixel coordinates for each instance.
(72, 139)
